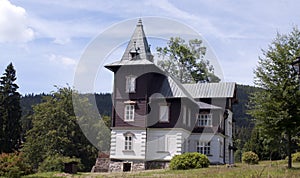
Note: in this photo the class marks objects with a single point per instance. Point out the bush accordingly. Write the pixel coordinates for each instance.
(250, 158)
(296, 157)
(189, 161)
(55, 163)
(13, 165)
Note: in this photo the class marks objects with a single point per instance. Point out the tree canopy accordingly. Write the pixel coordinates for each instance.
(186, 62)
(276, 108)
(55, 131)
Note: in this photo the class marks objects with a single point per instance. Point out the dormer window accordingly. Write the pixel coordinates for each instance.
(130, 84)
(134, 52)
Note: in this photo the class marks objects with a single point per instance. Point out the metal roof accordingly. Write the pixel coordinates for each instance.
(173, 88)
(211, 90)
(138, 46)
(203, 105)
(138, 43)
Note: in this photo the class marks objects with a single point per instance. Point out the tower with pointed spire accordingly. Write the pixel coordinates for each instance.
(155, 117)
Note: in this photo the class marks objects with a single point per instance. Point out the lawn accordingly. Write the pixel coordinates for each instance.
(263, 169)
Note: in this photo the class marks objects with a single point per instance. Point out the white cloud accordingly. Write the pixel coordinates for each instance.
(65, 61)
(13, 23)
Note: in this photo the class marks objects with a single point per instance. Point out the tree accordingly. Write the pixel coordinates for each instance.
(277, 107)
(10, 112)
(55, 131)
(186, 61)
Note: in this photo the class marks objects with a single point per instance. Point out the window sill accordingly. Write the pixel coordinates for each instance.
(128, 151)
(162, 152)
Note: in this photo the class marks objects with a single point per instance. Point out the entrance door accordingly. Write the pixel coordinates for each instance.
(126, 167)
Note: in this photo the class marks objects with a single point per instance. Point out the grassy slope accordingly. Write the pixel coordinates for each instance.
(264, 169)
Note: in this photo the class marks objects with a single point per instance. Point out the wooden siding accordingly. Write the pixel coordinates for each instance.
(148, 81)
(140, 108)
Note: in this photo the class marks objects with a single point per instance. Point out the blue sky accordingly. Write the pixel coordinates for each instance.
(46, 39)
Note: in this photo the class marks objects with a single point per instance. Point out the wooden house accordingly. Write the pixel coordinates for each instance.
(155, 117)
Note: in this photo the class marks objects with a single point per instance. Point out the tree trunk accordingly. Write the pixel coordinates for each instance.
(289, 148)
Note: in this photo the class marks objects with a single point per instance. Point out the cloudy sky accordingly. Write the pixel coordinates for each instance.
(45, 40)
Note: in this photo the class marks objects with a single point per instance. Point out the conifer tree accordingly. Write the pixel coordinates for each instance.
(10, 112)
(276, 109)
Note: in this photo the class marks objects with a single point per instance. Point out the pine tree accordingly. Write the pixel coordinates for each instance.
(10, 112)
(276, 108)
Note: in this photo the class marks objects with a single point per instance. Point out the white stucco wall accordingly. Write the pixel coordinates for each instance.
(163, 144)
(118, 144)
(215, 146)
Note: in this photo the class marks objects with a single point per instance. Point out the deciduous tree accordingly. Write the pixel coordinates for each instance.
(186, 62)
(56, 131)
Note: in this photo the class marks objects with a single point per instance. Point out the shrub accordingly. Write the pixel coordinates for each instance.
(189, 161)
(13, 165)
(55, 163)
(296, 157)
(250, 158)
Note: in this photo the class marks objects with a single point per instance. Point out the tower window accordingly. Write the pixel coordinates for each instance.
(130, 83)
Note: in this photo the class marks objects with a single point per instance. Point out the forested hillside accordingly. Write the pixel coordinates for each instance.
(104, 104)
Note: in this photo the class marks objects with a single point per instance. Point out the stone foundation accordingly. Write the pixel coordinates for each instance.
(157, 165)
(102, 162)
(102, 165)
(117, 166)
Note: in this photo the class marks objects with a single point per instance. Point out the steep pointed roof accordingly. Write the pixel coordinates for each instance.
(137, 51)
(138, 45)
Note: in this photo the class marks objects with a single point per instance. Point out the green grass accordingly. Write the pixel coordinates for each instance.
(263, 169)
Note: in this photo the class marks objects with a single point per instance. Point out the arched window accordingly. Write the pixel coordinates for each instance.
(128, 145)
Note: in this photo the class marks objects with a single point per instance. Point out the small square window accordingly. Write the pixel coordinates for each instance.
(203, 147)
(204, 120)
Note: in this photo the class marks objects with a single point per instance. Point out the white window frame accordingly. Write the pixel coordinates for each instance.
(204, 120)
(130, 84)
(203, 147)
(164, 115)
(129, 112)
(128, 143)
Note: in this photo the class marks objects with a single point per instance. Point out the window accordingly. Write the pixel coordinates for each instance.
(161, 144)
(203, 147)
(189, 117)
(130, 84)
(204, 119)
(128, 142)
(129, 112)
(221, 148)
(163, 113)
(184, 115)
